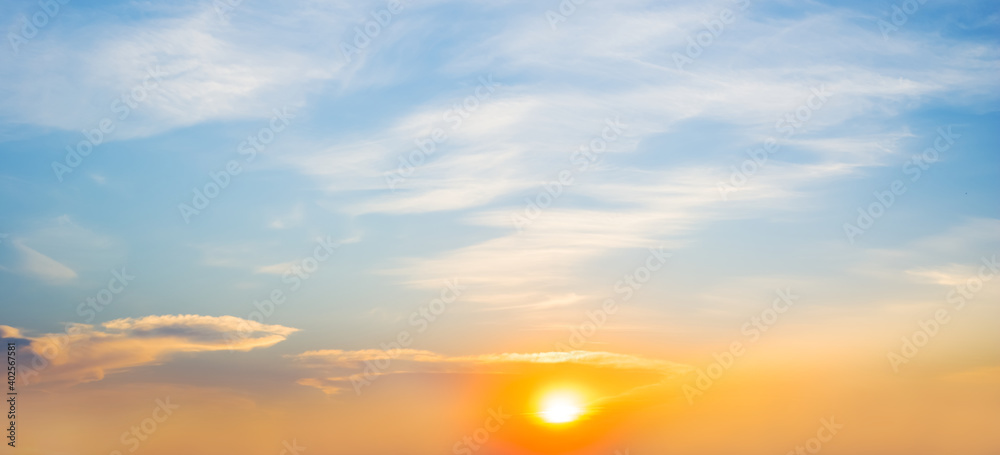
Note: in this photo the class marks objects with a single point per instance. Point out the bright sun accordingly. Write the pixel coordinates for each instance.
(561, 407)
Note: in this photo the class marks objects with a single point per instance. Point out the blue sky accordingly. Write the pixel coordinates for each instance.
(555, 90)
(573, 145)
(324, 176)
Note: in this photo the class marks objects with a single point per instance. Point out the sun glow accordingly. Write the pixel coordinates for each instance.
(561, 407)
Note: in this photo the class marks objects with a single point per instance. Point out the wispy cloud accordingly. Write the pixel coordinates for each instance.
(42, 266)
(347, 363)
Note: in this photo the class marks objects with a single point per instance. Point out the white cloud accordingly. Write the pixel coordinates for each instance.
(42, 266)
(276, 269)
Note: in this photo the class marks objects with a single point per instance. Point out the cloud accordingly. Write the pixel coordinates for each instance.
(946, 258)
(556, 88)
(950, 275)
(289, 220)
(343, 369)
(42, 266)
(7, 331)
(12, 333)
(276, 269)
(971, 236)
(206, 68)
(86, 353)
(59, 250)
(351, 359)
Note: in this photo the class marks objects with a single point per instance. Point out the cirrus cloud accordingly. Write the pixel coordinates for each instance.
(340, 369)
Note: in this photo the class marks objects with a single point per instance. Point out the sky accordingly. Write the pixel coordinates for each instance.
(385, 227)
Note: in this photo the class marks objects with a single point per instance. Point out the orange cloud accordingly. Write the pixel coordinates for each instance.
(346, 369)
(86, 353)
(7, 331)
